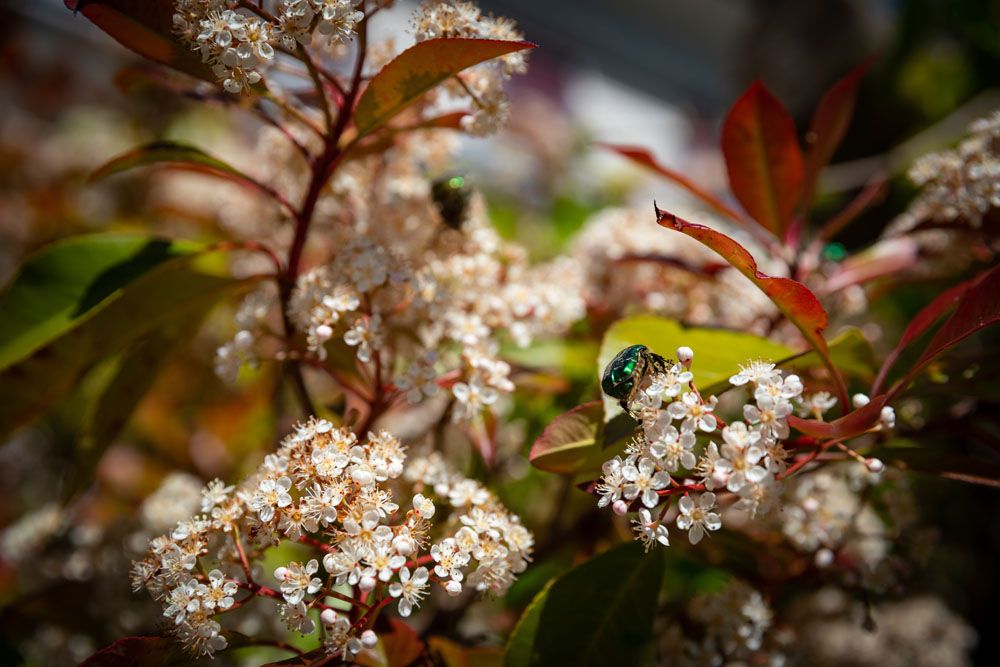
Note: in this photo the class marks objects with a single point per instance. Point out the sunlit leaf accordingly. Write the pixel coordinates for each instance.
(596, 614)
(795, 301)
(173, 290)
(829, 124)
(184, 157)
(65, 282)
(718, 353)
(763, 158)
(574, 358)
(419, 69)
(146, 27)
(850, 351)
(450, 654)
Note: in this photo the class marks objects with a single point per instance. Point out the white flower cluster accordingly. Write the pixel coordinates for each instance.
(672, 418)
(436, 318)
(959, 186)
(629, 261)
(483, 84)
(733, 624)
(238, 43)
(330, 491)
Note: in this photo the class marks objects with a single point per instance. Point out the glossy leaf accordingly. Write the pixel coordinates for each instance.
(763, 158)
(850, 351)
(599, 613)
(644, 158)
(574, 358)
(161, 296)
(978, 308)
(185, 157)
(795, 301)
(146, 27)
(829, 124)
(65, 282)
(718, 353)
(569, 441)
(419, 69)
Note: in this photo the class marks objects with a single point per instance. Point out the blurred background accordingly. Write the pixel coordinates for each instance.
(660, 74)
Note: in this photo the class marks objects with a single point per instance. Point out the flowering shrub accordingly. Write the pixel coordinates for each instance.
(716, 373)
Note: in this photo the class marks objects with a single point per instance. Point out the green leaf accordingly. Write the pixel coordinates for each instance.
(157, 298)
(718, 353)
(574, 358)
(134, 373)
(64, 282)
(599, 613)
(419, 69)
(185, 157)
(850, 351)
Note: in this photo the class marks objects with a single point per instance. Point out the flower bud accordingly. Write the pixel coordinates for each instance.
(367, 584)
(243, 340)
(328, 616)
(684, 355)
(453, 587)
(324, 332)
(280, 573)
(369, 639)
(875, 465)
(620, 507)
(824, 558)
(860, 400)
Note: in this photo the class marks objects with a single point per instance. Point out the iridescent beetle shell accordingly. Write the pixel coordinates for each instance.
(620, 376)
(451, 197)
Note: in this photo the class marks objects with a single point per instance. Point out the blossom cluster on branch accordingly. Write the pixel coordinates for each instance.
(380, 536)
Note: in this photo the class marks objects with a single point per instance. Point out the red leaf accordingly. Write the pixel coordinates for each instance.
(850, 425)
(978, 308)
(643, 157)
(569, 441)
(402, 645)
(146, 27)
(793, 299)
(829, 124)
(143, 651)
(185, 157)
(419, 69)
(763, 158)
(923, 321)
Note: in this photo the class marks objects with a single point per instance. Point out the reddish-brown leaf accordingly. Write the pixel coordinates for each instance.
(795, 301)
(978, 307)
(850, 425)
(763, 158)
(569, 442)
(142, 651)
(643, 157)
(144, 26)
(829, 124)
(923, 321)
(402, 644)
(417, 70)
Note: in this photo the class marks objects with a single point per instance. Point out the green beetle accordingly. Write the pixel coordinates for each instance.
(624, 375)
(451, 196)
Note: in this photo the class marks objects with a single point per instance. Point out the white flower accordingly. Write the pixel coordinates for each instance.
(674, 448)
(366, 335)
(271, 494)
(644, 480)
(296, 581)
(297, 617)
(648, 531)
(693, 413)
(755, 372)
(473, 397)
(409, 589)
(424, 506)
(770, 416)
(610, 487)
(215, 493)
(696, 516)
(219, 592)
